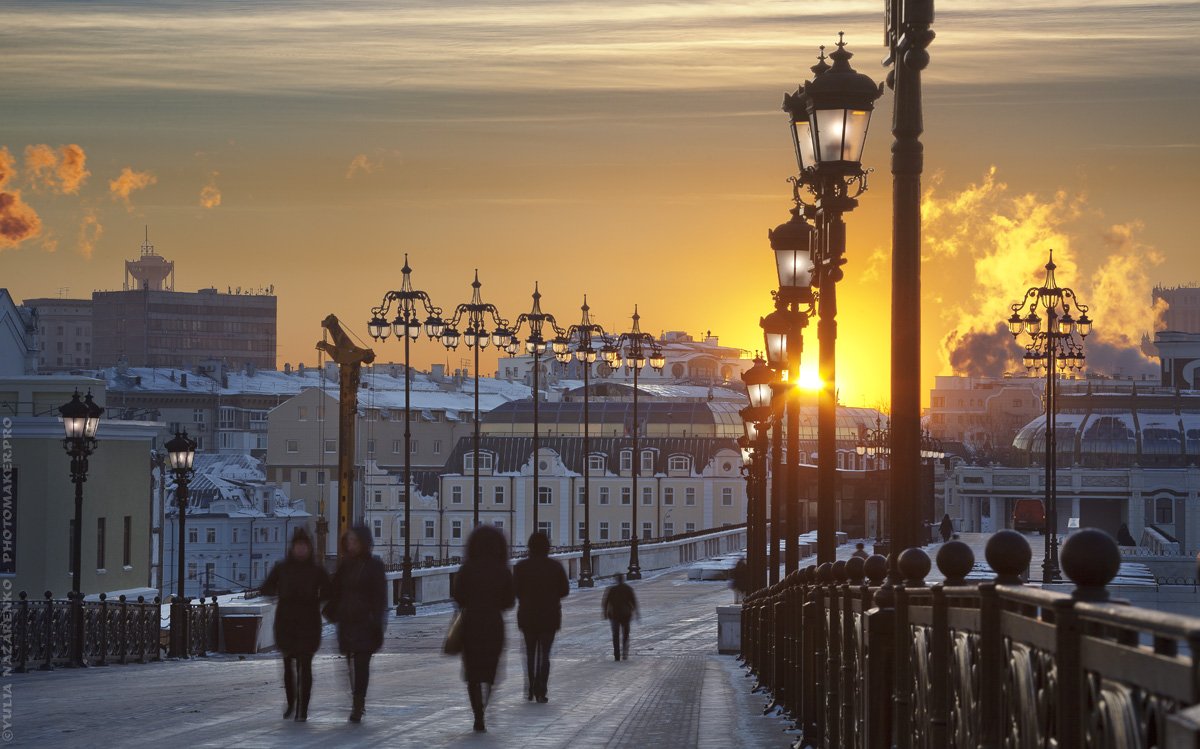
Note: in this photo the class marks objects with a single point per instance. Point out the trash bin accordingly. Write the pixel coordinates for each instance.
(240, 632)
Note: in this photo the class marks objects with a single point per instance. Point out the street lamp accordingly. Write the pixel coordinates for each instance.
(476, 314)
(81, 420)
(581, 339)
(181, 454)
(759, 380)
(536, 321)
(410, 305)
(637, 349)
(837, 105)
(1058, 350)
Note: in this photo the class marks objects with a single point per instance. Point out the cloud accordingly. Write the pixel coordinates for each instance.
(18, 220)
(127, 182)
(8, 166)
(63, 171)
(210, 194)
(361, 163)
(90, 231)
(50, 242)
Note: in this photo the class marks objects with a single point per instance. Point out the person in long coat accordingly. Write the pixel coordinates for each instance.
(358, 604)
(483, 590)
(619, 605)
(541, 584)
(946, 528)
(299, 583)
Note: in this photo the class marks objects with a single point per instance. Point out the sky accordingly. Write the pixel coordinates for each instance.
(632, 151)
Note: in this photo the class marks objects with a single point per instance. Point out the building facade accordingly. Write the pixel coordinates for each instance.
(64, 329)
(18, 338)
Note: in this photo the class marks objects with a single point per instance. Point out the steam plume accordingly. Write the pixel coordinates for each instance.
(18, 220)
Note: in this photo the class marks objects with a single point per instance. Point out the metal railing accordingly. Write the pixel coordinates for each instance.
(859, 662)
(113, 631)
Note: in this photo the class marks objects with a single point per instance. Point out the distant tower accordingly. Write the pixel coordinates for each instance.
(150, 271)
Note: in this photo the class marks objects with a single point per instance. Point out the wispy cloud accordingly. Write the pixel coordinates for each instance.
(61, 171)
(128, 182)
(362, 163)
(90, 231)
(210, 194)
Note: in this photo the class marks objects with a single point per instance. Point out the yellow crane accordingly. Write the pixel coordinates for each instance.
(349, 359)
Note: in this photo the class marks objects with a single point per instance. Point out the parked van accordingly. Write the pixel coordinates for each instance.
(1029, 515)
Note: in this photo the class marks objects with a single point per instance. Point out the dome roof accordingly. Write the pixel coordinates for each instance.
(1140, 432)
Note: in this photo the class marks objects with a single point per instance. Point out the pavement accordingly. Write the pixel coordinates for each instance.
(674, 691)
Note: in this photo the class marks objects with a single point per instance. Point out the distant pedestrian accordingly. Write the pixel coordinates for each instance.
(619, 605)
(483, 590)
(358, 604)
(860, 551)
(300, 584)
(541, 584)
(1124, 537)
(946, 528)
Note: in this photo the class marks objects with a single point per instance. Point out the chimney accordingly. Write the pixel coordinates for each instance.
(183, 379)
(438, 371)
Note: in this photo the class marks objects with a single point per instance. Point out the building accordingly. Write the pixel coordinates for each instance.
(36, 522)
(983, 413)
(238, 526)
(64, 333)
(150, 324)
(18, 338)
(1182, 313)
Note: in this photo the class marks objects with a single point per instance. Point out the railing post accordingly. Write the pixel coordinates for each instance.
(814, 646)
(103, 622)
(48, 632)
(790, 683)
(1008, 554)
(914, 565)
(21, 639)
(880, 646)
(955, 560)
(851, 644)
(833, 574)
(123, 607)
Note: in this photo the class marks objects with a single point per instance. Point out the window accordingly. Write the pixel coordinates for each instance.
(198, 415)
(626, 495)
(647, 495)
(100, 522)
(321, 478)
(689, 496)
(293, 446)
(647, 461)
(625, 531)
(727, 496)
(498, 524)
(414, 446)
(626, 461)
(689, 527)
(1017, 403)
(582, 496)
(370, 446)
(647, 531)
(397, 447)
(403, 528)
(237, 535)
(377, 496)
(1164, 511)
(456, 495)
(545, 527)
(595, 463)
(485, 462)
(210, 535)
(330, 446)
(678, 463)
(302, 477)
(428, 529)
(603, 530)
(604, 495)
(377, 528)
(301, 413)
(545, 495)
(437, 447)
(193, 536)
(579, 531)
(668, 529)
(668, 495)
(237, 574)
(127, 550)
(456, 529)
(498, 494)
(191, 573)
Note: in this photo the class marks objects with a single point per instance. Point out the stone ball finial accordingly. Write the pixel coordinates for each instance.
(1008, 554)
(854, 570)
(839, 571)
(810, 574)
(875, 568)
(955, 559)
(825, 573)
(1091, 559)
(914, 565)
(885, 596)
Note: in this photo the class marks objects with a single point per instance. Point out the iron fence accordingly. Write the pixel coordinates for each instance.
(114, 631)
(857, 660)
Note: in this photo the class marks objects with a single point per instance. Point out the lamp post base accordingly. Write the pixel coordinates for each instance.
(1050, 572)
(634, 573)
(405, 607)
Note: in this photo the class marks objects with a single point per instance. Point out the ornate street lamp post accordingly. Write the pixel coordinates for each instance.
(833, 110)
(580, 339)
(410, 304)
(1055, 348)
(536, 321)
(476, 314)
(637, 348)
(759, 380)
(181, 454)
(81, 419)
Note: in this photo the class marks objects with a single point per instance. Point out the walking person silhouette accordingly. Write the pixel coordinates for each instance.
(541, 584)
(483, 590)
(358, 604)
(299, 583)
(619, 605)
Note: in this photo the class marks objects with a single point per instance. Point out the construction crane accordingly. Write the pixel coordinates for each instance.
(349, 359)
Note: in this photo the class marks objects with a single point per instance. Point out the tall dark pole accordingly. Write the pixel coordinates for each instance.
(908, 33)
(1050, 571)
(635, 567)
(406, 606)
(791, 514)
(833, 236)
(79, 468)
(779, 511)
(537, 499)
(585, 563)
(475, 446)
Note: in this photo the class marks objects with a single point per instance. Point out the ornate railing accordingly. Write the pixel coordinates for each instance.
(44, 631)
(857, 661)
